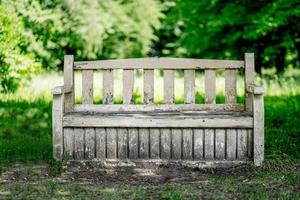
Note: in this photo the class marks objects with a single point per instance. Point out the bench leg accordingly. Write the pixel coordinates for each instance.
(57, 129)
(258, 130)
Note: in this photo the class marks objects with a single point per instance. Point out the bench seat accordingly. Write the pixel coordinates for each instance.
(195, 119)
(150, 132)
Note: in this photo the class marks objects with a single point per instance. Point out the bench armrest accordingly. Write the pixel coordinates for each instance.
(58, 90)
(254, 89)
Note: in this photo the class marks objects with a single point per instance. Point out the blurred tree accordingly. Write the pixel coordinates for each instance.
(227, 29)
(15, 64)
(36, 33)
(89, 29)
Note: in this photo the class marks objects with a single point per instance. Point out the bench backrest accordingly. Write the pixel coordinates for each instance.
(149, 65)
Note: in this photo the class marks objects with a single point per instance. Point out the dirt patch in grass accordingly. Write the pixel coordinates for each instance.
(160, 182)
(124, 176)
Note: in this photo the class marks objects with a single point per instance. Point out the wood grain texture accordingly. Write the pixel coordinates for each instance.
(159, 120)
(176, 143)
(100, 143)
(198, 144)
(89, 151)
(249, 79)
(258, 130)
(187, 144)
(165, 143)
(148, 86)
(242, 144)
(68, 143)
(68, 83)
(57, 128)
(87, 87)
(111, 143)
(158, 63)
(122, 143)
(128, 86)
(133, 143)
(79, 143)
(108, 86)
(209, 135)
(231, 144)
(210, 86)
(158, 108)
(189, 86)
(155, 143)
(144, 143)
(169, 86)
(230, 86)
(250, 142)
(220, 144)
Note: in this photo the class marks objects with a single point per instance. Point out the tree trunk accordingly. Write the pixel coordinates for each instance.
(280, 60)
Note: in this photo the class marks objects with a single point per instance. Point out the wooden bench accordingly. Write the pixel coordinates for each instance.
(225, 133)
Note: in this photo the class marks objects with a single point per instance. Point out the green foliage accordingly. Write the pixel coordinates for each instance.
(15, 64)
(89, 29)
(227, 29)
(45, 31)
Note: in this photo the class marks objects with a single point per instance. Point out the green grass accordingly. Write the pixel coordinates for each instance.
(25, 131)
(25, 136)
(52, 189)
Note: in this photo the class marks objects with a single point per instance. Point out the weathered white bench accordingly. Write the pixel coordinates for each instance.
(224, 133)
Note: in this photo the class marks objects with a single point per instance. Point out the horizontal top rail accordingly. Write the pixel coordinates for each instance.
(158, 63)
(157, 108)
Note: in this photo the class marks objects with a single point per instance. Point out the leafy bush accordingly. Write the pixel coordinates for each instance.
(15, 64)
(227, 29)
(89, 29)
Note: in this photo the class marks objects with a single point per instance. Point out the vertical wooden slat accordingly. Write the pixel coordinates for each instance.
(176, 143)
(210, 86)
(89, 143)
(68, 143)
(250, 142)
(220, 144)
(209, 143)
(133, 143)
(144, 143)
(122, 143)
(198, 144)
(78, 143)
(189, 86)
(165, 143)
(111, 143)
(230, 86)
(169, 86)
(249, 79)
(187, 144)
(87, 87)
(57, 128)
(68, 83)
(148, 86)
(128, 84)
(108, 86)
(100, 143)
(154, 143)
(258, 130)
(231, 144)
(242, 144)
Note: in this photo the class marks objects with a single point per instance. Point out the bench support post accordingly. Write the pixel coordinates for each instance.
(57, 128)
(258, 129)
